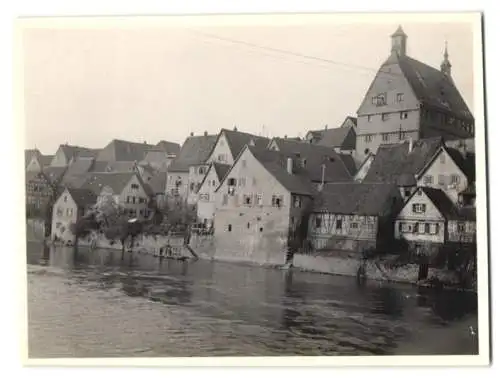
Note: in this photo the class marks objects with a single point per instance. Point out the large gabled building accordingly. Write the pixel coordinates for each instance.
(410, 99)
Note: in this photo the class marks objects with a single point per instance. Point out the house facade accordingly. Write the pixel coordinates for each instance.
(409, 99)
(353, 217)
(71, 205)
(423, 221)
(126, 189)
(66, 154)
(258, 204)
(42, 189)
(206, 193)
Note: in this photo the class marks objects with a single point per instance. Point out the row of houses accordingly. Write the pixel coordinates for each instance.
(403, 169)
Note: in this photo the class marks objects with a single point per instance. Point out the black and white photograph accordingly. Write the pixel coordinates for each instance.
(289, 185)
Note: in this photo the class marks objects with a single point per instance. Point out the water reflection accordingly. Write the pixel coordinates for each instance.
(244, 310)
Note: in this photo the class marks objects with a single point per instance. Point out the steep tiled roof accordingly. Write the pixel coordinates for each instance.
(195, 150)
(237, 140)
(466, 163)
(75, 174)
(45, 160)
(441, 201)
(54, 174)
(158, 183)
(433, 88)
(77, 151)
(394, 160)
(221, 170)
(28, 155)
(275, 163)
(349, 163)
(334, 137)
(465, 213)
(99, 166)
(121, 150)
(354, 120)
(315, 156)
(116, 181)
(82, 197)
(168, 147)
(121, 166)
(357, 198)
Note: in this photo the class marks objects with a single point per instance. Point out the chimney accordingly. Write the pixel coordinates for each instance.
(192, 134)
(286, 136)
(235, 128)
(410, 145)
(289, 165)
(205, 133)
(326, 127)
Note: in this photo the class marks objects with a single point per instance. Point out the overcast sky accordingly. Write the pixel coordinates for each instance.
(87, 86)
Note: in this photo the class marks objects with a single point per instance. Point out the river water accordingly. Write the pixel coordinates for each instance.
(97, 304)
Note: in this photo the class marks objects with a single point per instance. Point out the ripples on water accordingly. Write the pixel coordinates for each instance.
(96, 304)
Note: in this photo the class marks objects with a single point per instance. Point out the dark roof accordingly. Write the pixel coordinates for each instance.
(275, 163)
(121, 150)
(195, 150)
(82, 197)
(466, 163)
(99, 166)
(158, 183)
(314, 155)
(221, 170)
(431, 86)
(465, 213)
(168, 147)
(441, 201)
(334, 137)
(115, 180)
(393, 160)
(77, 151)
(28, 155)
(45, 160)
(470, 190)
(356, 198)
(237, 140)
(349, 163)
(54, 174)
(75, 173)
(121, 166)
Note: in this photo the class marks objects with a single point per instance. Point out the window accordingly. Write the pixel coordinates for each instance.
(421, 228)
(399, 97)
(277, 201)
(247, 200)
(261, 229)
(369, 118)
(248, 225)
(231, 182)
(455, 179)
(403, 115)
(338, 224)
(441, 179)
(65, 199)
(461, 227)
(213, 183)
(205, 197)
(433, 228)
(142, 200)
(427, 228)
(242, 181)
(418, 207)
(428, 180)
(297, 201)
(368, 138)
(229, 228)
(191, 186)
(385, 116)
(354, 225)
(128, 199)
(59, 211)
(133, 199)
(442, 158)
(385, 137)
(379, 100)
(400, 227)
(259, 199)
(317, 222)
(221, 157)
(407, 192)
(201, 170)
(134, 186)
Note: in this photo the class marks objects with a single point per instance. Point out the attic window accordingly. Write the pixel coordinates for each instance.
(231, 182)
(399, 97)
(380, 99)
